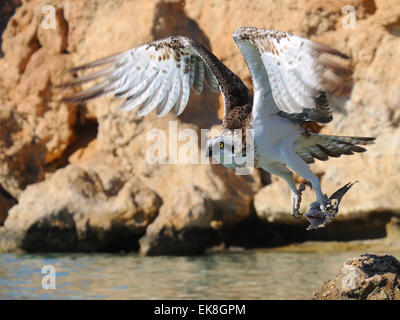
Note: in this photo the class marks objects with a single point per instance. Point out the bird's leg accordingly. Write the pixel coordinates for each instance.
(297, 164)
(296, 200)
(282, 171)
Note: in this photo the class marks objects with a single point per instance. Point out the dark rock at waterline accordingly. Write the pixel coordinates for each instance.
(368, 277)
(97, 210)
(75, 210)
(187, 241)
(184, 225)
(6, 202)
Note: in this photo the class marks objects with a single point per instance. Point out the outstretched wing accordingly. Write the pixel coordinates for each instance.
(302, 74)
(159, 75)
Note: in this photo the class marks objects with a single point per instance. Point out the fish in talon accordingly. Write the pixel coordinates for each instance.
(315, 216)
(319, 219)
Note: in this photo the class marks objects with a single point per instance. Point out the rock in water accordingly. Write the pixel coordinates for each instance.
(368, 277)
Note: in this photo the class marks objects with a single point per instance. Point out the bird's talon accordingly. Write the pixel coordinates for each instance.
(303, 186)
(296, 214)
(297, 200)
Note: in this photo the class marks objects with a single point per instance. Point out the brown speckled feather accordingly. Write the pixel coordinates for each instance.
(238, 118)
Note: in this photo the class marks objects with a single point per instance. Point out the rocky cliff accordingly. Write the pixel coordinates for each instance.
(82, 168)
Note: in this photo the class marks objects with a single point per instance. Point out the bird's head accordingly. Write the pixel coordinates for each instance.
(227, 149)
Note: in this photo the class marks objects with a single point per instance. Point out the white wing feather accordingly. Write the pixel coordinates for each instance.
(296, 70)
(153, 76)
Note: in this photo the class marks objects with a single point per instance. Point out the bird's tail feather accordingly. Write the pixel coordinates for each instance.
(318, 146)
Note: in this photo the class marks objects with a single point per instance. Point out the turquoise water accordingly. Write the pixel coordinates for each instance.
(232, 275)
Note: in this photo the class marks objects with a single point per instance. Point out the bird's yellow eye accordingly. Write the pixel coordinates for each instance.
(221, 145)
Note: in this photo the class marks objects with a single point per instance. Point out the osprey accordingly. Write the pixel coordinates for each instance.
(293, 78)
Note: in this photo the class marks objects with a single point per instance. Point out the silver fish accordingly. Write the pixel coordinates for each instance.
(317, 218)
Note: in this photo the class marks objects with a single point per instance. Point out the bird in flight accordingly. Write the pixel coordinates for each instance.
(294, 82)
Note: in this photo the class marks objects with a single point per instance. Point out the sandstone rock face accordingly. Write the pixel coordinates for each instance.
(7, 8)
(21, 158)
(40, 136)
(184, 225)
(38, 128)
(368, 277)
(78, 213)
(129, 138)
